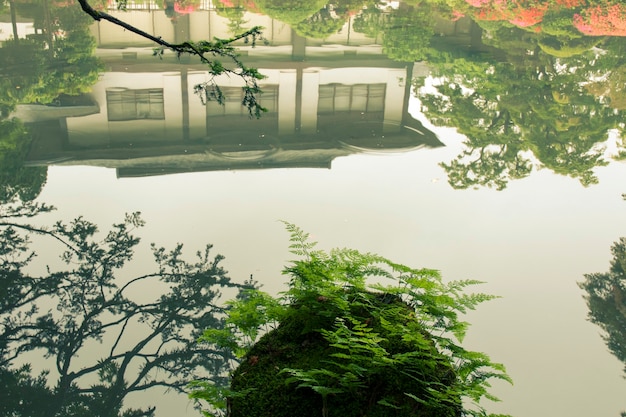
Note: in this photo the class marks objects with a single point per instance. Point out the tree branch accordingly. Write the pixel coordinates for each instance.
(96, 15)
(185, 47)
(40, 232)
(217, 48)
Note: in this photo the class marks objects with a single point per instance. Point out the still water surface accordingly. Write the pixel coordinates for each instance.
(486, 149)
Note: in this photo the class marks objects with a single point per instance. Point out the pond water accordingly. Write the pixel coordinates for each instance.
(482, 139)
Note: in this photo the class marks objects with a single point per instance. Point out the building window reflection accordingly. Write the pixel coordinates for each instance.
(129, 104)
(357, 97)
(233, 97)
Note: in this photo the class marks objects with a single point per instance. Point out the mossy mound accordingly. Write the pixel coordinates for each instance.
(346, 344)
(302, 342)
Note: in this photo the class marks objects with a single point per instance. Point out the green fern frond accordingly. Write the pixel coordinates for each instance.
(300, 244)
(369, 306)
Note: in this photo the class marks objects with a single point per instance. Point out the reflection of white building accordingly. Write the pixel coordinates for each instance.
(22, 28)
(323, 100)
(315, 114)
(162, 106)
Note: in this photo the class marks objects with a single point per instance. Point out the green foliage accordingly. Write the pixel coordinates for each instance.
(353, 333)
(320, 25)
(565, 48)
(46, 65)
(522, 109)
(13, 385)
(252, 312)
(370, 21)
(207, 51)
(235, 18)
(16, 180)
(290, 11)
(605, 294)
(407, 33)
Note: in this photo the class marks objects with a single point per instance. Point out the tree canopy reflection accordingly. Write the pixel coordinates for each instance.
(521, 107)
(56, 61)
(606, 299)
(18, 181)
(145, 326)
(605, 294)
(47, 68)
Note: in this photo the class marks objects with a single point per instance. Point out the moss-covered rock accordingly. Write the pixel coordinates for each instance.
(299, 343)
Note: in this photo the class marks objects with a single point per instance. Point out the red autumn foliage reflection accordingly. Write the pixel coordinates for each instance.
(590, 17)
(518, 12)
(528, 17)
(570, 3)
(606, 20)
(183, 8)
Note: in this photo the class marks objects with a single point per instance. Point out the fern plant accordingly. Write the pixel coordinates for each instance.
(354, 334)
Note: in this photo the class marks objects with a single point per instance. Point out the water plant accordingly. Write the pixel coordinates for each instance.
(354, 334)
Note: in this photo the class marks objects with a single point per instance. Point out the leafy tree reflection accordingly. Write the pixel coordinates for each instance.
(606, 299)
(522, 108)
(58, 60)
(18, 181)
(47, 67)
(84, 304)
